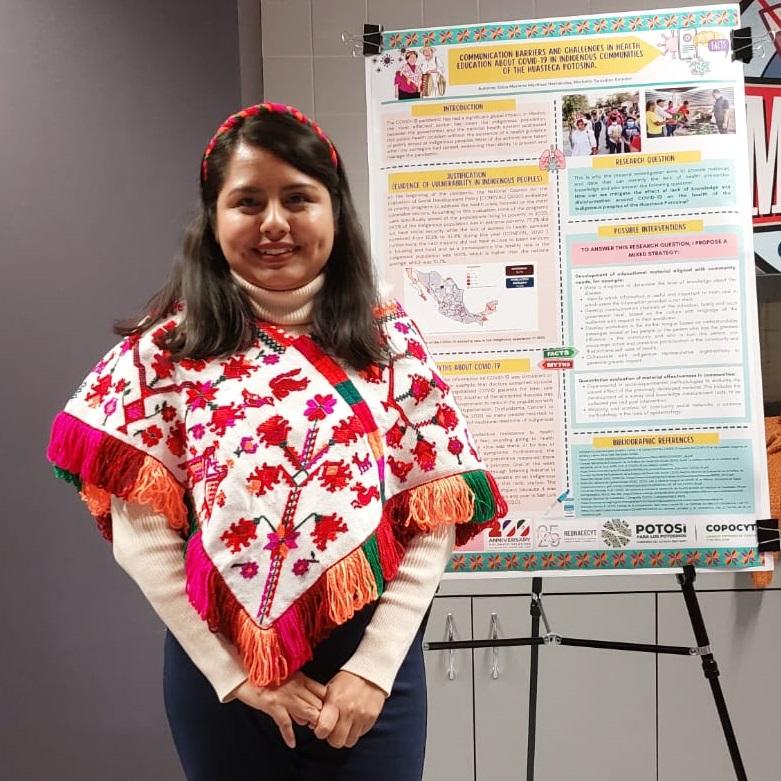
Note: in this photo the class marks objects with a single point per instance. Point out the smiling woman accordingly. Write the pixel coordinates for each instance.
(269, 171)
(274, 224)
(272, 450)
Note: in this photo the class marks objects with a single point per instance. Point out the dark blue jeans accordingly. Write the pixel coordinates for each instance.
(233, 742)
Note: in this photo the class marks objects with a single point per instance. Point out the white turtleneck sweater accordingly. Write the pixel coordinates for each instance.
(151, 553)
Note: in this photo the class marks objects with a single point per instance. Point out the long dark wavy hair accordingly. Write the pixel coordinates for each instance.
(219, 319)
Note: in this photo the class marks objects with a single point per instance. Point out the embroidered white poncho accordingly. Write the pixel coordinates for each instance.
(295, 481)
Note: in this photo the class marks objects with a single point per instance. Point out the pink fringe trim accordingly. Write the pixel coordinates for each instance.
(106, 465)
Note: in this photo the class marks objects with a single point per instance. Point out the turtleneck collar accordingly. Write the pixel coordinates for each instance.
(291, 309)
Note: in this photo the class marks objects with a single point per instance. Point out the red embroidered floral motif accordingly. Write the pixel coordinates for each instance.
(420, 388)
(274, 431)
(163, 365)
(248, 570)
(425, 454)
(263, 479)
(335, 475)
(446, 417)
(224, 418)
(394, 435)
(152, 435)
(247, 445)
(193, 364)
(121, 385)
(177, 439)
(327, 527)
(239, 535)
(347, 431)
(320, 406)
(415, 349)
(202, 394)
(281, 542)
(99, 391)
(301, 567)
(284, 384)
(237, 367)
(456, 447)
(158, 337)
(168, 413)
(399, 468)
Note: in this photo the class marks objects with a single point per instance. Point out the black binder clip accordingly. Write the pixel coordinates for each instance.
(767, 535)
(742, 44)
(372, 40)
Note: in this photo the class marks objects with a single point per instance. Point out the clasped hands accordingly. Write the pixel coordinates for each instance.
(341, 712)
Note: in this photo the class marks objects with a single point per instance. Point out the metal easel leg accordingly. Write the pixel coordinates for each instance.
(535, 609)
(709, 666)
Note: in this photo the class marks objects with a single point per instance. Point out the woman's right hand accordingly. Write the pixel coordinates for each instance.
(298, 699)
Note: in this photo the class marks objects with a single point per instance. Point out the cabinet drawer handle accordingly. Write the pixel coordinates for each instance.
(451, 633)
(494, 635)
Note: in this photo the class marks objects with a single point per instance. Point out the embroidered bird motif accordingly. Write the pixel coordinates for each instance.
(364, 495)
(284, 384)
(254, 400)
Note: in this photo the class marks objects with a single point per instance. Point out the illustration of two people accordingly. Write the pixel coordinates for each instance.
(420, 79)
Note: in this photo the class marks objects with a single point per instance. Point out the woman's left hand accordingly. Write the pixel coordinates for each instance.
(351, 706)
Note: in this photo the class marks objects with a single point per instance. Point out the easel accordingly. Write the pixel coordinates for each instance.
(767, 533)
(709, 666)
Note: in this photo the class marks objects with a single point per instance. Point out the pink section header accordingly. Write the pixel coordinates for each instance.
(705, 246)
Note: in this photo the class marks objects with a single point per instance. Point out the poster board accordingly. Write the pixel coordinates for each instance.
(587, 290)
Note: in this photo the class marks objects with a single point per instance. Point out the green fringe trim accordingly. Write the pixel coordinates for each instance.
(485, 503)
(372, 553)
(192, 522)
(68, 477)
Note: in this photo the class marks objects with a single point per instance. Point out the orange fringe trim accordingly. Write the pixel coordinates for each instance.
(270, 655)
(444, 502)
(350, 585)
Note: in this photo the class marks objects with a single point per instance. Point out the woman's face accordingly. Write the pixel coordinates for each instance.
(275, 224)
(412, 58)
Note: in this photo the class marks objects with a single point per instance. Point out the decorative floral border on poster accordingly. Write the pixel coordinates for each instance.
(724, 558)
(492, 33)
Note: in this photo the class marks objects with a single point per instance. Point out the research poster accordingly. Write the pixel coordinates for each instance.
(563, 207)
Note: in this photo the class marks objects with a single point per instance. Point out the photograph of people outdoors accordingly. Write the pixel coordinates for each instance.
(689, 111)
(601, 124)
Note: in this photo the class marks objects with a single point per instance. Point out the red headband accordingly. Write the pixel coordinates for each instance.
(274, 108)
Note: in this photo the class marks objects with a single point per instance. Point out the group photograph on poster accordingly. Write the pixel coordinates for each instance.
(692, 110)
(598, 124)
